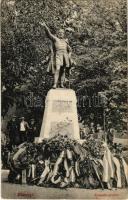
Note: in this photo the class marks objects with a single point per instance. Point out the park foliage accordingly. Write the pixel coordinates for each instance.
(96, 30)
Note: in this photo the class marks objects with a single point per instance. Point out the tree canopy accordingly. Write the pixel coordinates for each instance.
(96, 30)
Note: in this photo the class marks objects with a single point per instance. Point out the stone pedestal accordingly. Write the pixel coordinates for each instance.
(60, 115)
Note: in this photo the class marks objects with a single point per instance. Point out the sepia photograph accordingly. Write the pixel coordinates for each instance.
(64, 128)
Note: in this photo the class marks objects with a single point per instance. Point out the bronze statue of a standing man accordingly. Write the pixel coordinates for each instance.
(60, 56)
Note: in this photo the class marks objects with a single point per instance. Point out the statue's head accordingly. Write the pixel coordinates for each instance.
(60, 33)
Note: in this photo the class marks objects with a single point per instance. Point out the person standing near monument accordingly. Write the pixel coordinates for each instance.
(110, 136)
(61, 55)
(12, 128)
(32, 131)
(23, 130)
(100, 133)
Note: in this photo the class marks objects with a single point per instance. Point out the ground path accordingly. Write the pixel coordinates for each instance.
(17, 191)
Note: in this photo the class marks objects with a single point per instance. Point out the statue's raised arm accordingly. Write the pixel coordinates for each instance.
(48, 32)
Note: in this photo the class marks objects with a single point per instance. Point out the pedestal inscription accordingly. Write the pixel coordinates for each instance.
(60, 115)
